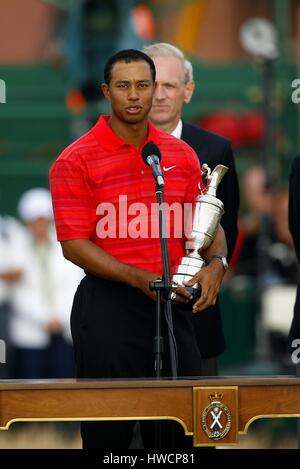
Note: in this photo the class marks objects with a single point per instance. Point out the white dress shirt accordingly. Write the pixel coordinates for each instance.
(178, 130)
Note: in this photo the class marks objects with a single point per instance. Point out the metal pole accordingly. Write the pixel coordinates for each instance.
(282, 20)
(268, 162)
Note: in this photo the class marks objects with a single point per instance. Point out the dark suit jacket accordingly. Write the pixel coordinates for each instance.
(214, 149)
(294, 224)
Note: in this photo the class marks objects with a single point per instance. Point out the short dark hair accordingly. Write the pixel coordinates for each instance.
(127, 56)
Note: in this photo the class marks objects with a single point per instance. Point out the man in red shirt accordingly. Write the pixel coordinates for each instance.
(103, 197)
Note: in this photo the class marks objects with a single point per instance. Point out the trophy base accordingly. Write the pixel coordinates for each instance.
(185, 271)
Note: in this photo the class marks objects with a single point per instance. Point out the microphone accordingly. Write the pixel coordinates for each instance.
(151, 156)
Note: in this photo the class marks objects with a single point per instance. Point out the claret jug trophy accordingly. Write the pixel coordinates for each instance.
(207, 213)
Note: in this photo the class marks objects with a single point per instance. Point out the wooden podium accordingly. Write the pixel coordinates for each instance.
(214, 410)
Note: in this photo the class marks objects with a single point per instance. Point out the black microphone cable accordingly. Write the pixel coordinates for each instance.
(168, 304)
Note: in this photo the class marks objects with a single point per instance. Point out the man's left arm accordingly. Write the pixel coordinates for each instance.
(210, 277)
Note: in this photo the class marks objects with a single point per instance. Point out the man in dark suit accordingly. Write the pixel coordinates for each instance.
(294, 224)
(174, 87)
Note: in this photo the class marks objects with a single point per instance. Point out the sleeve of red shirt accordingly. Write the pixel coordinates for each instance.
(195, 186)
(73, 200)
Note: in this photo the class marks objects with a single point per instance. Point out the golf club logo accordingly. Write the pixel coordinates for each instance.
(216, 418)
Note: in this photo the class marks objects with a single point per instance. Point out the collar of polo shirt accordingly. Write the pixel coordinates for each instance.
(111, 141)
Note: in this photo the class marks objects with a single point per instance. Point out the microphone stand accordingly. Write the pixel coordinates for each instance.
(163, 288)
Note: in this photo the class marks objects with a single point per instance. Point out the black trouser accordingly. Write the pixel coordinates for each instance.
(113, 327)
(209, 366)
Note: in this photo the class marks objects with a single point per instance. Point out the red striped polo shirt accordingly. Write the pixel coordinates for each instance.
(103, 191)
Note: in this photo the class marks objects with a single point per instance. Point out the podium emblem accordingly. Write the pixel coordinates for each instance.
(216, 418)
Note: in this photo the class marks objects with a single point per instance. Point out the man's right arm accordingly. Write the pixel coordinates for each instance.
(100, 263)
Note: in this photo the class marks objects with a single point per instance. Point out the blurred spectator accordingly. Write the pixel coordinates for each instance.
(267, 256)
(88, 31)
(42, 298)
(10, 272)
(280, 288)
(85, 33)
(281, 250)
(258, 203)
(266, 210)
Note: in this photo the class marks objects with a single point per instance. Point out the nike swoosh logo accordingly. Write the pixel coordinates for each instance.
(168, 169)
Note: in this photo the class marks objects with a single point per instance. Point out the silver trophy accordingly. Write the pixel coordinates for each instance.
(207, 213)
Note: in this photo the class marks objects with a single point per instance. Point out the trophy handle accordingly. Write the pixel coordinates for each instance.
(215, 178)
